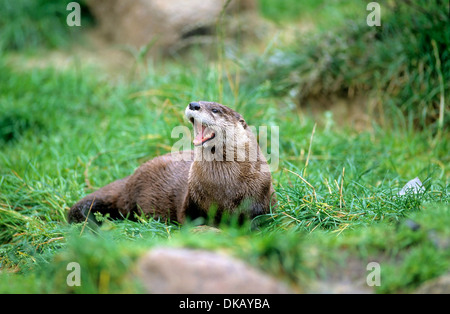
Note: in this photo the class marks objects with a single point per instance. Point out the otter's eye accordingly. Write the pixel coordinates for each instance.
(214, 110)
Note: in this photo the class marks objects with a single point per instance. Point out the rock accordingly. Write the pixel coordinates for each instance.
(139, 22)
(205, 229)
(347, 277)
(344, 286)
(411, 224)
(179, 270)
(440, 285)
(413, 186)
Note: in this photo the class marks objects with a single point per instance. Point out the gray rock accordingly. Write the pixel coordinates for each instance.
(180, 270)
(347, 277)
(440, 285)
(139, 22)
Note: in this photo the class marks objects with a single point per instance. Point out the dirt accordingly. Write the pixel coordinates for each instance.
(354, 112)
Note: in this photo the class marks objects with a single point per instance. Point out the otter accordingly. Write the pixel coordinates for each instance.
(225, 173)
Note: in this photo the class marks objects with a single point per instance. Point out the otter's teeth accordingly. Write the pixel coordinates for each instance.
(202, 134)
(199, 129)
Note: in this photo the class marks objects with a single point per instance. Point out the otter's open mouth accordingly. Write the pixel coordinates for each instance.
(202, 133)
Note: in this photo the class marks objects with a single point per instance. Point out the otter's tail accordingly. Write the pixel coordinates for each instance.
(84, 210)
(106, 200)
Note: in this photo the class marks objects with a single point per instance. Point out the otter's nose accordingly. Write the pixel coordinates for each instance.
(194, 106)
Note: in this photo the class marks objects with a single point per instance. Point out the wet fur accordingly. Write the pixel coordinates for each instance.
(176, 186)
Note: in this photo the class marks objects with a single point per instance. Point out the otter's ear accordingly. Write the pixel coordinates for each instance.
(241, 120)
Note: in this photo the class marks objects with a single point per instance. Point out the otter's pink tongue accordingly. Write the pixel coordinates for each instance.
(200, 128)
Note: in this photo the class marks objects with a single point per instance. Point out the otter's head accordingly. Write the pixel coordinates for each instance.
(215, 124)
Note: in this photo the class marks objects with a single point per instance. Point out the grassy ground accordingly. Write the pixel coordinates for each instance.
(66, 132)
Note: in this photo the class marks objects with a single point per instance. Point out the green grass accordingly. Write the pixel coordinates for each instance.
(401, 68)
(70, 128)
(323, 15)
(66, 132)
(34, 24)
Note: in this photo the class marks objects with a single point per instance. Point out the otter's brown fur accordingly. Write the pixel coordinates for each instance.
(180, 185)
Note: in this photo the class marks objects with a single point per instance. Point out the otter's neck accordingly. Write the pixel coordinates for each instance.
(225, 166)
(246, 150)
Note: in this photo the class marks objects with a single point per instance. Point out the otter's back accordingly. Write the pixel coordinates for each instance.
(159, 186)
